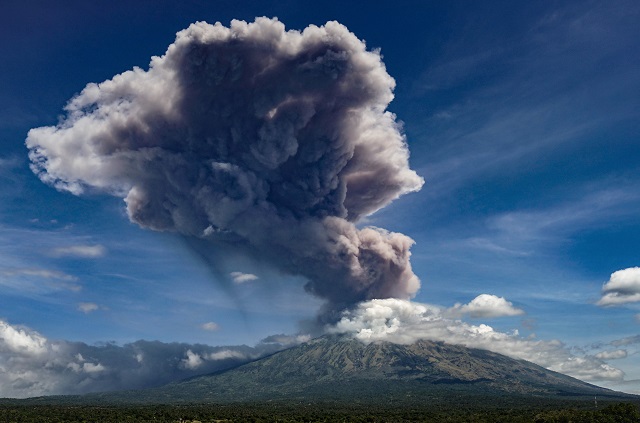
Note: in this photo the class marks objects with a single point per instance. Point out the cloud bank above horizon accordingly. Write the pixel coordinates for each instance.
(32, 365)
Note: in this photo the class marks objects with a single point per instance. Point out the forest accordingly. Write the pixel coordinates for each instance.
(279, 412)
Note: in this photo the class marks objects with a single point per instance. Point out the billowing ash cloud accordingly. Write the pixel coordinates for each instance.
(275, 140)
(32, 365)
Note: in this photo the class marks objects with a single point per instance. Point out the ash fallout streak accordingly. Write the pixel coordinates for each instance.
(276, 142)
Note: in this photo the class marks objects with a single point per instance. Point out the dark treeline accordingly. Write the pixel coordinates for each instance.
(612, 413)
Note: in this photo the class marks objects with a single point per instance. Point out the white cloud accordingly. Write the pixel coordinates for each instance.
(612, 355)
(239, 277)
(21, 341)
(192, 360)
(82, 251)
(88, 307)
(486, 306)
(211, 326)
(225, 354)
(587, 368)
(616, 298)
(405, 322)
(623, 287)
(86, 367)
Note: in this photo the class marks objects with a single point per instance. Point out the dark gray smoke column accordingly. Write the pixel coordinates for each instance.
(274, 140)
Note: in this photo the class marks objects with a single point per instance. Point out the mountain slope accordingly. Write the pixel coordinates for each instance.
(335, 368)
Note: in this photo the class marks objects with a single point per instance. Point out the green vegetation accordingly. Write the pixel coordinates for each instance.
(616, 413)
(613, 413)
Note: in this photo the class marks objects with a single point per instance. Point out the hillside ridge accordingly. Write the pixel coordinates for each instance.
(338, 368)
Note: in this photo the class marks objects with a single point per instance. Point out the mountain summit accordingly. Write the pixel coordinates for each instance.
(339, 368)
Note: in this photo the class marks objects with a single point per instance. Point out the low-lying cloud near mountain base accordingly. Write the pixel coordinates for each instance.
(405, 322)
(275, 141)
(32, 365)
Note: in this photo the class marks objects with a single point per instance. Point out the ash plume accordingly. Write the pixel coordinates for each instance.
(273, 141)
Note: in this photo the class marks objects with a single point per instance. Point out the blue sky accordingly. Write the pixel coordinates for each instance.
(523, 119)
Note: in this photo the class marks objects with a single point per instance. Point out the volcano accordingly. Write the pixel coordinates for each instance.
(340, 369)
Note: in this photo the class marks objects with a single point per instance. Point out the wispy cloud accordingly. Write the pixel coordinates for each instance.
(40, 273)
(524, 233)
(629, 340)
(34, 259)
(239, 277)
(82, 251)
(521, 163)
(524, 106)
(9, 163)
(89, 307)
(594, 208)
(30, 280)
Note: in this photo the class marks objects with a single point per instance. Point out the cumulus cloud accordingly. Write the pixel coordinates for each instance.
(274, 141)
(82, 251)
(210, 326)
(405, 322)
(622, 287)
(239, 277)
(21, 341)
(32, 365)
(612, 355)
(86, 367)
(485, 306)
(191, 361)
